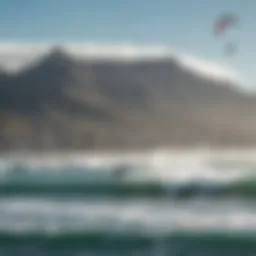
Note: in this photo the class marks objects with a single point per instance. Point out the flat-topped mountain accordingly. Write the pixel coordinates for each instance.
(62, 103)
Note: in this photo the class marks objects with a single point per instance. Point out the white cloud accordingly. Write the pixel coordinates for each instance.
(125, 51)
(210, 69)
(15, 56)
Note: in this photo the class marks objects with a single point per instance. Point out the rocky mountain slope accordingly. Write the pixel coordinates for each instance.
(61, 103)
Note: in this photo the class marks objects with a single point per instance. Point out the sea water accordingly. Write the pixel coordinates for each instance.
(162, 204)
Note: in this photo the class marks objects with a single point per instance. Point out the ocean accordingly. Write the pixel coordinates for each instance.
(157, 203)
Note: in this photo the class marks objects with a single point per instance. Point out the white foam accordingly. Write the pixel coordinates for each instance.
(175, 167)
(28, 215)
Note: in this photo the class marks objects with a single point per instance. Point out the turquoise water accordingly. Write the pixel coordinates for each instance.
(90, 210)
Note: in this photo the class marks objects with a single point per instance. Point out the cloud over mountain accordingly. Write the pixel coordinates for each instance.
(16, 56)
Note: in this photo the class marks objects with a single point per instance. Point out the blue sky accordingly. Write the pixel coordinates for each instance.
(185, 25)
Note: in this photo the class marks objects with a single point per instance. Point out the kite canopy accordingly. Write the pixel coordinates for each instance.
(225, 22)
(221, 27)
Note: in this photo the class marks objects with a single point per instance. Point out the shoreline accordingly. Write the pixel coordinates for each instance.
(157, 154)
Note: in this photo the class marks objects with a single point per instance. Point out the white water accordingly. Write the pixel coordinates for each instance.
(27, 215)
(130, 215)
(173, 167)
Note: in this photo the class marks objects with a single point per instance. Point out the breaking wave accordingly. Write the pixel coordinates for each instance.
(122, 180)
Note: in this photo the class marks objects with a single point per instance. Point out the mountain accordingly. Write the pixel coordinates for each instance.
(61, 103)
